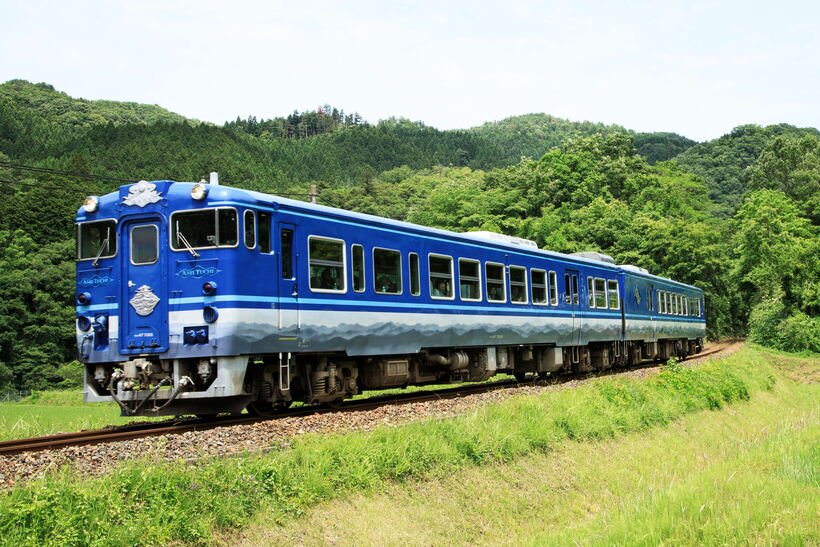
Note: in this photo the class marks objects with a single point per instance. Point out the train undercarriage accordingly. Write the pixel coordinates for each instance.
(264, 384)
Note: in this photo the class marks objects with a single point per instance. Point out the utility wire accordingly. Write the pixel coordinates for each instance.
(59, 172)
(62, 188)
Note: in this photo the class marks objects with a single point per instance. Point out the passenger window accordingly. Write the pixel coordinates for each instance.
(590, 292)
(600, 293)
(326, 261)
(358, 268)
(287, 253)
(553, 288)
(263, 227)
(469, 279)
(250, 229)
(387, 271)
(538, 282)
(144, 244)
(415, 278)
(441, 276)
(518, 285)
(496, 288)
(614, 297)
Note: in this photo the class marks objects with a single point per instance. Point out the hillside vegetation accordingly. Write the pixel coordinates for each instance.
(737, 216)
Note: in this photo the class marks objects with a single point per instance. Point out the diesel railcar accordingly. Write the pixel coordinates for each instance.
(201, 298)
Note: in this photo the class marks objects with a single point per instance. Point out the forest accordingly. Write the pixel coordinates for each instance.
(738, 216)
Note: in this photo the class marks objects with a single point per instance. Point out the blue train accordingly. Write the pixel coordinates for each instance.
(200, 298)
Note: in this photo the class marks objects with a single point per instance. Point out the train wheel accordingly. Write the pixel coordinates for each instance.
(520, 376)
(264, 409)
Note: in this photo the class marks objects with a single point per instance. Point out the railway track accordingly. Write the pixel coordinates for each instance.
(168, 427)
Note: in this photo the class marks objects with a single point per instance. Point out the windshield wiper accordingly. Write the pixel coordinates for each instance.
(188, 246)
(103, 246)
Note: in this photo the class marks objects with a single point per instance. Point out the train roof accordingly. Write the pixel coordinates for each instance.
(221, 194)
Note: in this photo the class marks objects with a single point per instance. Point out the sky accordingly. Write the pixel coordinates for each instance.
(690, 67)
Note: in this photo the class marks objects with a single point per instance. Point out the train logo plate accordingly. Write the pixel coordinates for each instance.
(144, 301)
(141, 194)
(198, 272)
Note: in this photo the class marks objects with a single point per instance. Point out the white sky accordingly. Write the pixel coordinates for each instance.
(692, 67)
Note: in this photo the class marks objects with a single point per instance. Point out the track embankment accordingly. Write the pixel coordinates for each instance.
(95, 452)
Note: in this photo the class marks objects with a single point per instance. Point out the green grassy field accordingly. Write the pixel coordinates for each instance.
(720, 453)
(47, 412)
(749, 474)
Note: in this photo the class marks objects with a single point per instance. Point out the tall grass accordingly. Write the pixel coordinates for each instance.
(152, 503)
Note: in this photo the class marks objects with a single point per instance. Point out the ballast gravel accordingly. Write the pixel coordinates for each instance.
(271, 434)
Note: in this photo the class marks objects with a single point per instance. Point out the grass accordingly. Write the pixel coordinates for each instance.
(749, 474)
(146, 502)
(47, 412)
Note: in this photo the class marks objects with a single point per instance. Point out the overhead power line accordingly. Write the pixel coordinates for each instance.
(32, 168)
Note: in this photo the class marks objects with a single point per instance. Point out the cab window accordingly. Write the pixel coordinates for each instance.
(96, 239)
(203, 229)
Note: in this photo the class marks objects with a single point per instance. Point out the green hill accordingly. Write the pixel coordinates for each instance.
(36, 119)
(722, 162)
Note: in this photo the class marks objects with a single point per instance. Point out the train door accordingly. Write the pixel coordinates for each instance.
(144, 308)
(288, 293)
(573, 299)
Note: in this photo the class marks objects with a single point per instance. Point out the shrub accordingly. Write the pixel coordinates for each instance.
(799, 332)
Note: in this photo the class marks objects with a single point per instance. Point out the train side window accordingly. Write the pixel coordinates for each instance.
(249, 221)
(495, 285)
(469, 279)
(326, 259)
(286, 237)
(441, 276)
(144, 244)
(600, 293)
(614, 296)
(591, 292)
(685, 302)
(661, 302)
(700, 309)
(538, 282)
(553, 288)
(415, 277)
(676, 304)
(263, 227)
(518, 285)
(387, 271)
(358, 268)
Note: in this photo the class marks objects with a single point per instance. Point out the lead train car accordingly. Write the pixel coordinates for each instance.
(200, 298)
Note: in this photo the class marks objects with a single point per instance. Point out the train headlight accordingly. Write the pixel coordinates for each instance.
(209, 288)
(199, 191)
(83, 323)
(210, 314)
(83, 298)
(91, 203)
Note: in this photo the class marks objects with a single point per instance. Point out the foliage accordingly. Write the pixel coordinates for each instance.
(722, 163)
(182, 503)
(791, 164)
